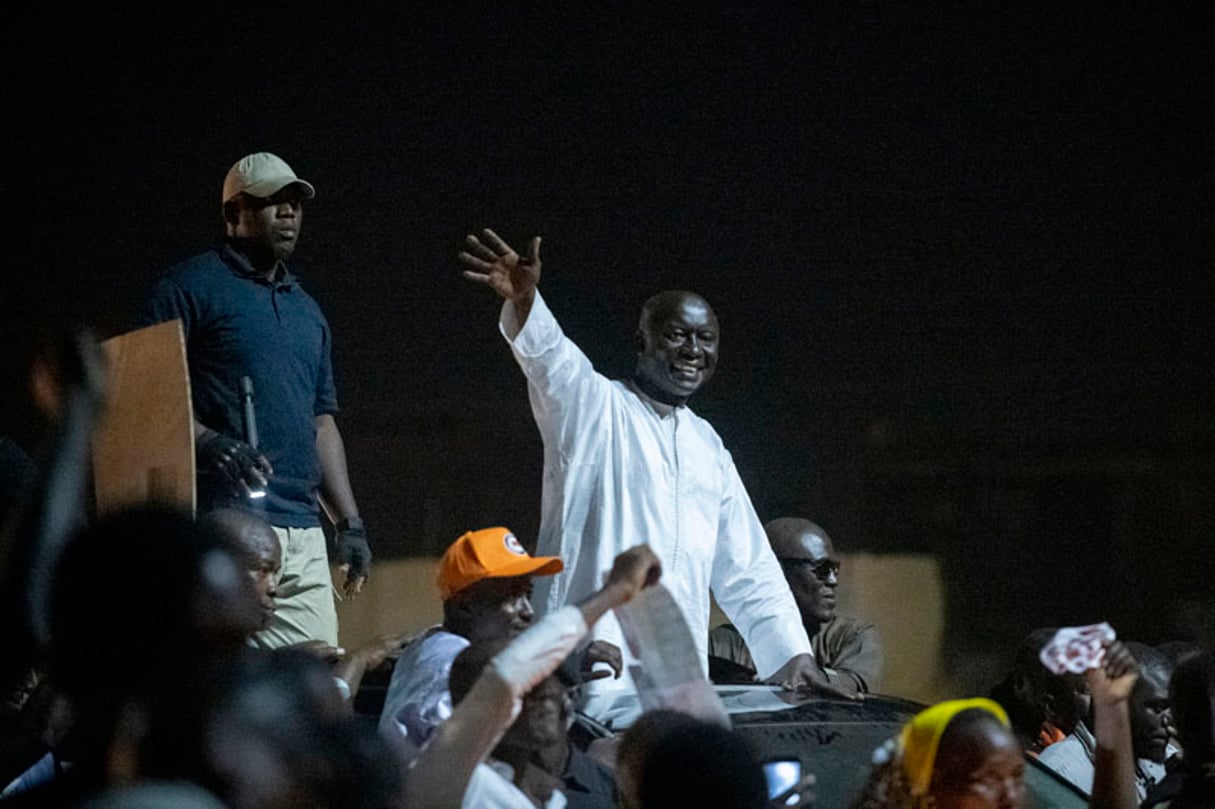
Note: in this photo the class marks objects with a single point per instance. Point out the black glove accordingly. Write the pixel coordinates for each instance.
(231, 461)
(351, 548)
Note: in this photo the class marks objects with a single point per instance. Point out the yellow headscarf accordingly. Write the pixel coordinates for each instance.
(919, 739)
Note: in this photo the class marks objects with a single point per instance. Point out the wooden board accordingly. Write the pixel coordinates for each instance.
(143, 450)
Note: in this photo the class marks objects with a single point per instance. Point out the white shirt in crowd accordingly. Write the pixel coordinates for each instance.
(417, 700)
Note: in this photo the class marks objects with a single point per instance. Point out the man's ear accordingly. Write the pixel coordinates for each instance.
(232, 211)
(639, 342)
(456, 615)
(1046, 702)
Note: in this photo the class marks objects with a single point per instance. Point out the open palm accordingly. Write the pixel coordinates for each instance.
(495, 263)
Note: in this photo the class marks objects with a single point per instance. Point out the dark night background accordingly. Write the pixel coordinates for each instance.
(959, 253)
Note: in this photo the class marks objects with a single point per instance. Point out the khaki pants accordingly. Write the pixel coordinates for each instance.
(305, 601)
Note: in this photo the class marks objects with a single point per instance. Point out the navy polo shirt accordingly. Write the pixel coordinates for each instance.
(237, 323)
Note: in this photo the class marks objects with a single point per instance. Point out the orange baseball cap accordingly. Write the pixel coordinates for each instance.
(486, 554)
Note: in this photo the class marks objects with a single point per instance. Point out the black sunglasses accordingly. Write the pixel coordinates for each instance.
(821, 568)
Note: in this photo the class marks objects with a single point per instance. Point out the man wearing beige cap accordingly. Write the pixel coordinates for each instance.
(485, 581)
(256, 340)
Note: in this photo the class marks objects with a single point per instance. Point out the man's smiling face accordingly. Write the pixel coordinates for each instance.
(676, 346)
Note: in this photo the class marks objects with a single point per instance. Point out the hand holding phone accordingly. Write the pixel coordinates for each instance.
(786, 783)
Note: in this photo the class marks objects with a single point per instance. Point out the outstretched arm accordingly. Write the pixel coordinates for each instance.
(495, 264)
(367, 658)
(1114, 759)
(566, 393)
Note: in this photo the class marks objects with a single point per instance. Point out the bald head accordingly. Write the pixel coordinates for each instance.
(808, 561)
(665, 303)
(676, 343)
(251, 533)
(257, 544)
(796, 538)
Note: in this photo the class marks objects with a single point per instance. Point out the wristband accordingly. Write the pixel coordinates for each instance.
(350, 523)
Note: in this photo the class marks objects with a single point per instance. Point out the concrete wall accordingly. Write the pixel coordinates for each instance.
(902, 594)
(401, 596)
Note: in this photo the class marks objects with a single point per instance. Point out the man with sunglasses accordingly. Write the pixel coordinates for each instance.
(848, 649)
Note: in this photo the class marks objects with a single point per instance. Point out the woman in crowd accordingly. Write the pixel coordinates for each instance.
(958, 754)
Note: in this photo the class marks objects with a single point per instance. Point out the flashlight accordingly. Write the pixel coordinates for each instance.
(250, 424)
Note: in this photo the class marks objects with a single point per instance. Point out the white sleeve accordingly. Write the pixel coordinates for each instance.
(538, 652)
(749, 585)
(563, 386)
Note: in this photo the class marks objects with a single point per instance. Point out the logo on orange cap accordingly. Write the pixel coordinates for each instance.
(489, 553)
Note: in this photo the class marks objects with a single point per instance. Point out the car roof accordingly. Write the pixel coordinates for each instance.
(751, 705)
(835, 739)
(769, 704)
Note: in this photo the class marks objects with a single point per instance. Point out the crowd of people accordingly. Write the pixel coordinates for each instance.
(160, 655)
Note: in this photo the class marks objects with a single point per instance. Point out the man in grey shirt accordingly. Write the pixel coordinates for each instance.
(847, 649)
